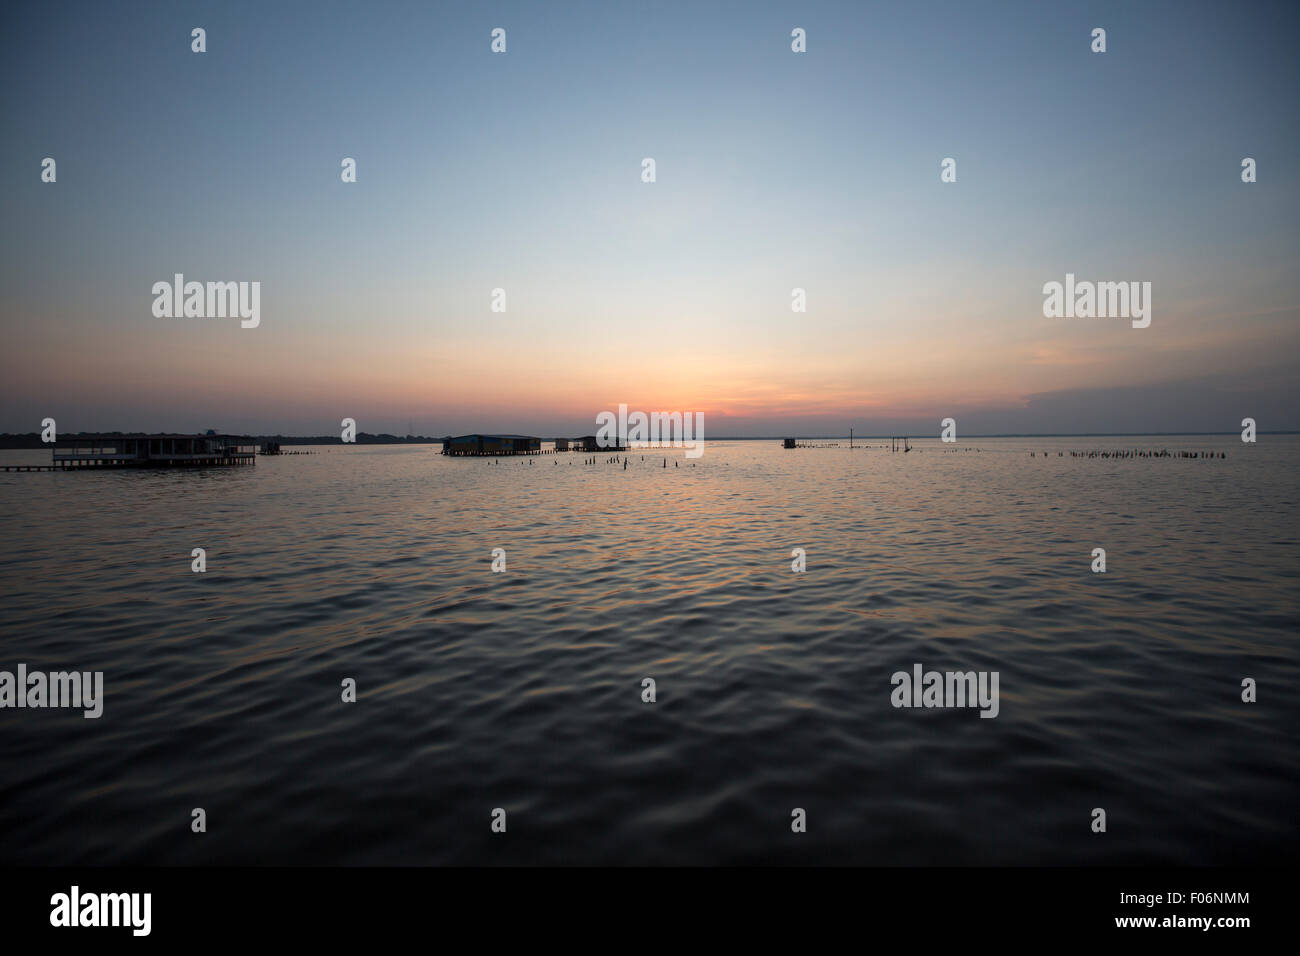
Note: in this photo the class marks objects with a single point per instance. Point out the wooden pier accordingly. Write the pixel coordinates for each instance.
(493, 446)
(498, 446)
(99, 452)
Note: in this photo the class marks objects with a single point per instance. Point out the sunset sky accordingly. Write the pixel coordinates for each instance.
(775, 170)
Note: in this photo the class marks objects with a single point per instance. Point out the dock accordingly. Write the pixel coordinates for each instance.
(497, 446)
(139, 450)
(491, 445)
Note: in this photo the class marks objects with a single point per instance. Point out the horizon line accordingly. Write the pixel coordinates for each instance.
(775, 437)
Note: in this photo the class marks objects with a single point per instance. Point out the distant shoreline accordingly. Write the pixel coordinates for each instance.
(31, 440)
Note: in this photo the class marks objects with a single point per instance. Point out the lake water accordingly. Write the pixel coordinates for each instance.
(522, 690)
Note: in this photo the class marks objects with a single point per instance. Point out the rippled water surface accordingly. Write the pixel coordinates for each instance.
(522, 690)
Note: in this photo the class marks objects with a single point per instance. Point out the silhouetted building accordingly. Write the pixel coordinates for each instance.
(492, 445)
(141, 450)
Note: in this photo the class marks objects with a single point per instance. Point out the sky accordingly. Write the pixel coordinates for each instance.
(775, 170)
